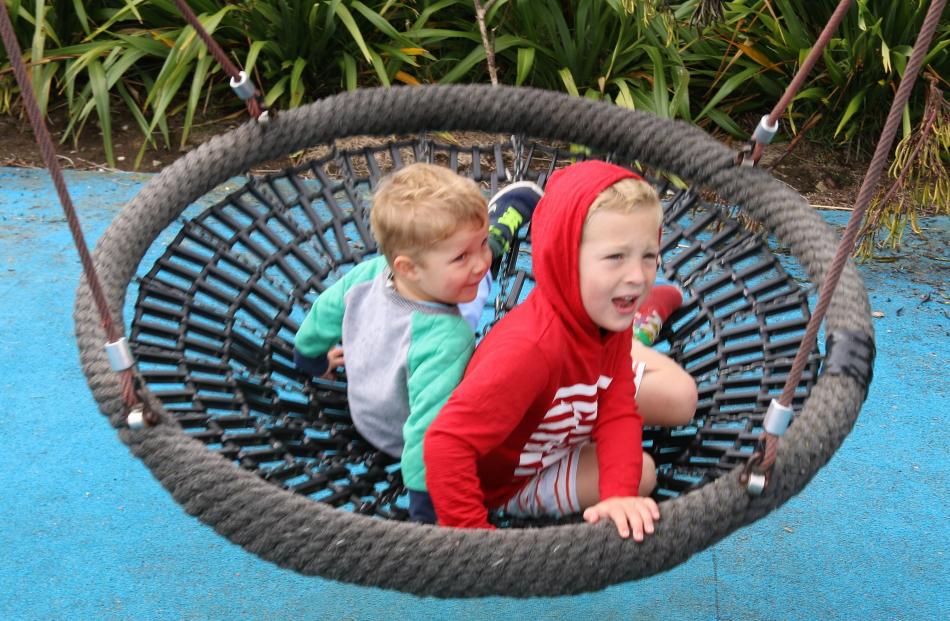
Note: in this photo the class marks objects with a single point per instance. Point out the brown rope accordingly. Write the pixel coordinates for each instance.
(48, 151)
(799, 80)
(846, 246)
(255, 106)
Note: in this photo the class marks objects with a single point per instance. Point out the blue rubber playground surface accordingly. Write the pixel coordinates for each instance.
(87, 533)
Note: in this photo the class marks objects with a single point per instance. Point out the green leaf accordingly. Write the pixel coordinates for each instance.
(297, 88)
(525, 63)
(276, 91)
(396, 54)
(147, 44)
(347, 18)
(905, 121)
(831, 67)
(724, 121)
(252, 54)
(815, 93)
(349, 71)
(624, 96)
(136, 112)
(380, 68)
(660, 100)
(381, 24)
(727, 88)
(119, 68)
(130, 7)
(568, 80)
(100, 94)
(92, 51)
(799, 34)
(680, 104)
(432, 9)
(477, 55)
(886, 56)
(853, 106)
(194, 94)
(936, 49)
(81, 15)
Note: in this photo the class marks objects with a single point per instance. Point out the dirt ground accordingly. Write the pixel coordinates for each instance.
(825, 176)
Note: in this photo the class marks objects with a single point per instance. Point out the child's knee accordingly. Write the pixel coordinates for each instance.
(685, 399)
(648, 476)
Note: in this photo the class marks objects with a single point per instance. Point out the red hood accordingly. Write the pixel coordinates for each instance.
(556, 237)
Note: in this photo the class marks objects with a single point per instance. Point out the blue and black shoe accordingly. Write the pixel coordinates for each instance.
(509, 210)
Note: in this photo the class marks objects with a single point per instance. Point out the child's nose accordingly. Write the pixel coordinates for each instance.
(483, 262)
(636, 274)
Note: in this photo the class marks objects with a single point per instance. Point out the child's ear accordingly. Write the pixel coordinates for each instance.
(405, 267)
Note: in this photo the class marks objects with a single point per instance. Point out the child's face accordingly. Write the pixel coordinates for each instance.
(451, 270)
(618, 261)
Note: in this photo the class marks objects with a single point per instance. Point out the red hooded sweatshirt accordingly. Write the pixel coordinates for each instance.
(543, 380)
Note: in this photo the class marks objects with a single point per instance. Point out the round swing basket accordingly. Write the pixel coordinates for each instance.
(269, 457)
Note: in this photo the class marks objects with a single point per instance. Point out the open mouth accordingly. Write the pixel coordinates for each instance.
(625, 305)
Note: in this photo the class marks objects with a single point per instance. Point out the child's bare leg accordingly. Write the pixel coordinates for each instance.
(667, 395)
(588, 491)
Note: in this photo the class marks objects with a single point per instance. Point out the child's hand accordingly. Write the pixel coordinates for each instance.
(629, 513)
(334, 361)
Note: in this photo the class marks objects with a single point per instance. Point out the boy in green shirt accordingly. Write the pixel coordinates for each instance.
(405, 342)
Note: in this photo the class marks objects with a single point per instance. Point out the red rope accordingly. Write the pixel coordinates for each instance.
(255, 106)
(799, 80)
(846, 246)
(48, 151)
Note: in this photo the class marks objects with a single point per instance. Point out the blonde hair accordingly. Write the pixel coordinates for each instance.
(626, 196)
(422, 204)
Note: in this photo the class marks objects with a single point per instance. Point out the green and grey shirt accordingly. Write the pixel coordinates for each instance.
(403, 358)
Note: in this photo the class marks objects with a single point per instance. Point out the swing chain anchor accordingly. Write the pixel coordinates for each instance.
(753, 476)
(121, 360)
(776, 422)
(136, 418)
(139, 414)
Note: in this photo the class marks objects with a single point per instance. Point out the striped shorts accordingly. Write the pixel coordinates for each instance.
(553, 490)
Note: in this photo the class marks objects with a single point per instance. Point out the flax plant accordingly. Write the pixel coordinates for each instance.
(921, 179)
(619, 51)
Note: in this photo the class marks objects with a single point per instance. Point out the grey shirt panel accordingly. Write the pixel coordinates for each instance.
(377, 332)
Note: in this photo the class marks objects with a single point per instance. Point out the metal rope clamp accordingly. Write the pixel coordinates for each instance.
(245, 90)
(776, 422)
(242, 87)
(120, 355)
(763, 135)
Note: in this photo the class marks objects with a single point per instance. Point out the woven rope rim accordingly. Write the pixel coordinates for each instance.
(314, 539)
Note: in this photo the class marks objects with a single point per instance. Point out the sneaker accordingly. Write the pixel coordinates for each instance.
(508, 211)
(662, 301)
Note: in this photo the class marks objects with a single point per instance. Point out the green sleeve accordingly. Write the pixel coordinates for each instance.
(323, 325)
(439, 350)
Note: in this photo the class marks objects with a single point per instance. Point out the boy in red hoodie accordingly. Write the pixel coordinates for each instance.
(544, 421)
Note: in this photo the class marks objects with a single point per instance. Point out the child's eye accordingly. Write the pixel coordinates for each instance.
(615, 257)
(461, 257)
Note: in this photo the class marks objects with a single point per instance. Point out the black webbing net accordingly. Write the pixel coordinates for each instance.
(216, 315)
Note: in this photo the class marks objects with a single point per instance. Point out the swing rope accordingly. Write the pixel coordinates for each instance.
(769, 123)
(116, 341)
(240, 81)
(762, 465)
